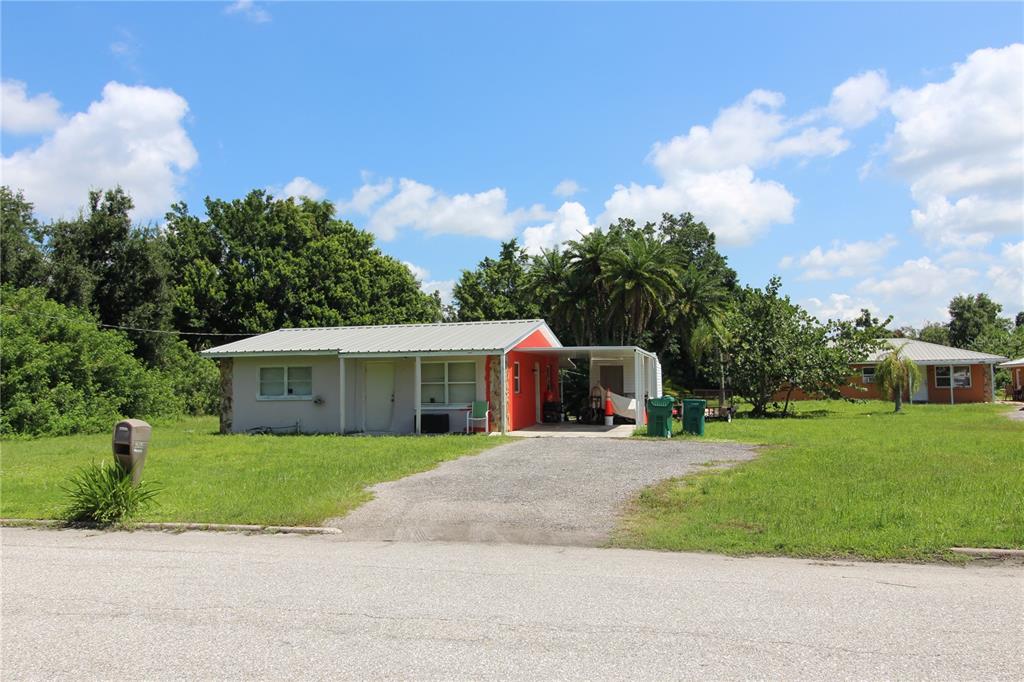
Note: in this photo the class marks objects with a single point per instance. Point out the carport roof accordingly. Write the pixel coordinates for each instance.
(454, 337)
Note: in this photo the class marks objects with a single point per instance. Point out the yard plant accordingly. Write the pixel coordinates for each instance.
(103, 493)
(848, 480)
(209, 478)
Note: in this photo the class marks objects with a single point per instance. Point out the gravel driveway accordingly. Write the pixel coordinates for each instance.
(547, 491)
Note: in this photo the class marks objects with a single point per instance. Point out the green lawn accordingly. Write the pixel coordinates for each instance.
(855, 480)
(209, 478)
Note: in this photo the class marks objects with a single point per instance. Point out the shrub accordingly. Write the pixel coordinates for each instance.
(103, 493)
(63, 375)
(195, 380)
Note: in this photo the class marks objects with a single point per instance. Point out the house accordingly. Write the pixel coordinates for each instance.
(948, 375)
(1016, 369)
(412, 378)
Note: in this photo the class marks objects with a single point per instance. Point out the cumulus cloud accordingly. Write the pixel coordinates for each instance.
(858, 100)
(918, 279)
(567, 188)
(710, 171)
(21, 114)
(250, 10)
(366, 196)
(839, 307)
(300, 187)
(133, 137)
(443, 287)
(421, 207)
(960, 144)
(569, 222)
(843, 259)
(1007, 277)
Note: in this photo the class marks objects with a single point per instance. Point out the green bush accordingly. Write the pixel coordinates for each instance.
(103, 493)
(62, 375)
(193, 378)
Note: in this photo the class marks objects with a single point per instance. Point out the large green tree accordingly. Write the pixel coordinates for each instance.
(497, 289)
(100, 262)
(258, 263)
(21, 238)
(969, 315)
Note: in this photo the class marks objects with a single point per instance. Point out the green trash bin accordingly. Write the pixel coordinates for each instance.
(659, 416)
(693, 416)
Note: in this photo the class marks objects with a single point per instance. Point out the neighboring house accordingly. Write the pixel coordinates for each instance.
(411, 378)
(1016, 369)
(948, 375)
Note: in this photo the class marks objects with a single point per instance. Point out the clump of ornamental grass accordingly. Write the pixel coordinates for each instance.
(102, 493)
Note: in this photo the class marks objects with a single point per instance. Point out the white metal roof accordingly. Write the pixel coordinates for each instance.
(926, 353)
(386, 339)
(1019, 362)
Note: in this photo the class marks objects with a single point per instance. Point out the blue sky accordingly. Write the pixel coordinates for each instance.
(870, 154)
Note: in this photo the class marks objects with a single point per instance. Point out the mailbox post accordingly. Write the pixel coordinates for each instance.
(131, 441)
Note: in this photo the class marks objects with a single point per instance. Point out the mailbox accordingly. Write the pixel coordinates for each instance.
(131, 441)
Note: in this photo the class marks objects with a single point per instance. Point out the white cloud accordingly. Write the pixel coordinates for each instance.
(735, 205)
(1007, 277)
(419, 273)
(960, 144)
(132, 137)
(839, 307)
(710, 171)
(569, 222)
(421, 207)
(844, 259)
(300, 187)
(366, 196)
(858, 100)
(250, 10)
(443, 287)
(567, 188)
(20, 113)
(919, 279)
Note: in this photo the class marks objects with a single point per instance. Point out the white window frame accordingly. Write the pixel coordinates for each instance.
(516, 384)
(286, 396)
(446, 382)
(865, 378)
(949, 378)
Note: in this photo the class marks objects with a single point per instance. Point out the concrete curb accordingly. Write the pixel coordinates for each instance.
(989, 553)
(216, 527)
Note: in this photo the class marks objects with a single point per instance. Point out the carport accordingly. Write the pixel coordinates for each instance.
(629, 371)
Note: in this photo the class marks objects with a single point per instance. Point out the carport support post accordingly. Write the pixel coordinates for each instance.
(638, 388)
(951, 384)
(416, 395)
(504, 392)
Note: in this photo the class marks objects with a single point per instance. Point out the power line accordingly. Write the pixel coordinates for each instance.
(124, 328)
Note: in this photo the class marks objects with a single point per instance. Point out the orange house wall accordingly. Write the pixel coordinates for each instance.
(979, 392)
(522, 405)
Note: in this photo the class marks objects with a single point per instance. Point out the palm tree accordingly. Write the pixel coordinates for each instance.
(639, 278)
(895, 374)
(586, 287)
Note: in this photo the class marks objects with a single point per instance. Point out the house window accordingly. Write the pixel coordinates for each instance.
(447, 383)
(286, 383)
(867, 375)
(961, 376)
(515, 376)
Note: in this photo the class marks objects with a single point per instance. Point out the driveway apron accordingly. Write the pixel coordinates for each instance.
(547, 491)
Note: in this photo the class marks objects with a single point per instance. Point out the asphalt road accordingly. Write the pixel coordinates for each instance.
(535, 491)
(82, 605)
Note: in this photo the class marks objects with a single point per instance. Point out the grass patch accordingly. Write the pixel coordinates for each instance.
(209, 478)
(849, 480)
